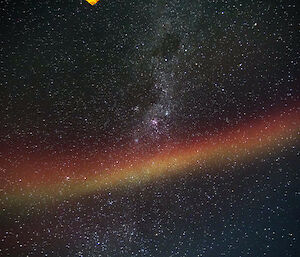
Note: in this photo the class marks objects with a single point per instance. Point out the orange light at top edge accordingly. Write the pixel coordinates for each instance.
(92, 2)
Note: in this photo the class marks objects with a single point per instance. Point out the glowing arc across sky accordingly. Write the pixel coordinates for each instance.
(241, 143)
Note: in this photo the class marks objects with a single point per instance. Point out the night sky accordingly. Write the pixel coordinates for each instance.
(149, 128)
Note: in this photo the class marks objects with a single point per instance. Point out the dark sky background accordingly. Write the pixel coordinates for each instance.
(79, 78)
(72, 70)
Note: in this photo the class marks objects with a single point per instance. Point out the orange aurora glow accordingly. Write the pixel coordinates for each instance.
(36, 181)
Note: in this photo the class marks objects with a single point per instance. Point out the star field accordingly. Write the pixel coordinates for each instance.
(149, 128)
